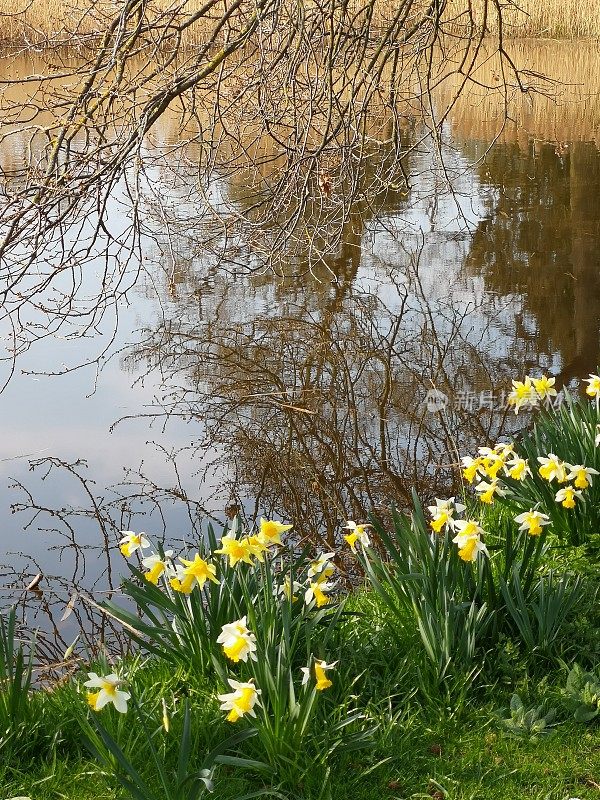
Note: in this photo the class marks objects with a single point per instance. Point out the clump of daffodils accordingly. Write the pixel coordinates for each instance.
(530, 392)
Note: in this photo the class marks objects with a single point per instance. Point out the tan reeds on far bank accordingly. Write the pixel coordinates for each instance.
(33, 21)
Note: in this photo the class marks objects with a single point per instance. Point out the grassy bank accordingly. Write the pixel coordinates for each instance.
(462, 660)
(26, 22)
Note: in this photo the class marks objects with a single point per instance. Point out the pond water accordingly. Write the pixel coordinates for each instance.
(307, 394)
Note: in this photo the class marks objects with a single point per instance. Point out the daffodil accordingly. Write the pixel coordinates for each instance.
(532, 522)
(593, 388)
(108, 692)
(322, 566)
(270, 531)
(156, 566)
(522, 394)
(597, 438)
(235, 550)
(544, 387)
(358, 533)
(468, 540)
(131, 542)
(241, 701)
(566, 496)
(488, 490)
(471, 467)
(552, 468)
(317, 592)
(238, 643)
(288, 589)
(582, 476)
(517, 469)
(256, 546)
(491, 461)
(191, 573)
(443, 514)
(321, 679)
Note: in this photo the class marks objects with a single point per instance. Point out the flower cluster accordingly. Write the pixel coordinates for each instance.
(238, 642)
(530, 392)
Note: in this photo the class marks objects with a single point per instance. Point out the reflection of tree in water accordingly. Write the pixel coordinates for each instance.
(541, 241)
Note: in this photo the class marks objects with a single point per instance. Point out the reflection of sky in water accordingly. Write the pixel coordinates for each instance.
(70, 416)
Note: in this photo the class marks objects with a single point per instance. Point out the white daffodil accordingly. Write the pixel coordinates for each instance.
(238, 643)
(552, 468)
(317, 592)
(322, 681)
(468, 540)
(593, 388)
(287, 589)
(239, 702)
(108, 692)
(358, 533)
(156, 566)
(517, 468)
(532, 522)
(566, 496)
(581, 475)
(488, 490)
(443, 514)
(471, 467)
(132, 541)
(322, 566)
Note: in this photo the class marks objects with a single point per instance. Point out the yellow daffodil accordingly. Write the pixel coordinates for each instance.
(108, 686)
(468, 540)
(156, 566)
(593, 388)
(488, 490)
(471, 467)
(270, 531)
(544, 387)
(238, 643)
(532, 522)
(552, 468)
(322, 566)
(256, 546)
(241, 701)
(491, 461)
(522, 394)
(317, 592)
(191, 573)
(517, 469)
(358, 533)
(443, 514)
(131, 542)
(321, 680)
(582, 476)
(235, 550)
(566, 496)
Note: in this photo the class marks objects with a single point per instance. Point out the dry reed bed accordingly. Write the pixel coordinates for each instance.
(569, 110)
(37, 21)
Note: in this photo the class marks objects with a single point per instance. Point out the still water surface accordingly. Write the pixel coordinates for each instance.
(304, 394)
